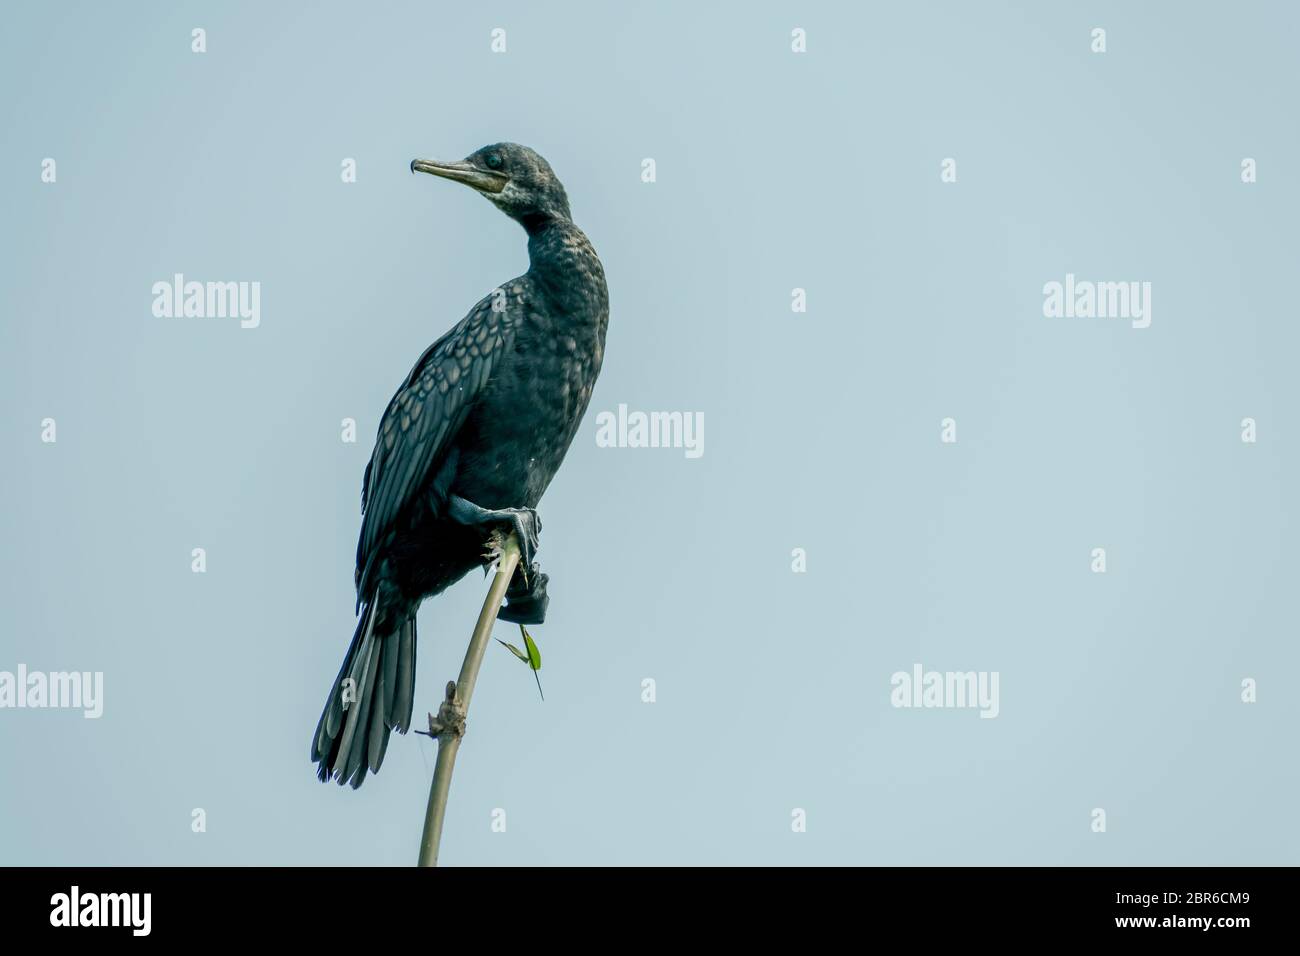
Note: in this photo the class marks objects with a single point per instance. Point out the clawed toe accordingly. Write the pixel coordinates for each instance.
(527, 527)
(526, 599)
(524, 522)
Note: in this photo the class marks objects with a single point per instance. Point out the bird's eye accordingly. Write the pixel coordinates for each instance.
(493, 160)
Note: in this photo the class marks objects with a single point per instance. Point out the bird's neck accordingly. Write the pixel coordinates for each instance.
(535, 223)
(563, 262)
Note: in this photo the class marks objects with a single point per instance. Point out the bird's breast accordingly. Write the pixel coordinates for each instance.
(521, 429)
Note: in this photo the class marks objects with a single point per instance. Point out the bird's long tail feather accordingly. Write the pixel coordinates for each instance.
(372, 696)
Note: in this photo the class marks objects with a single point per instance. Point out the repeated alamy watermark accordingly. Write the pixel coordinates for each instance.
(946, 689)
(60, 690)
(624, 429)
(1084, 299)
(182, 299)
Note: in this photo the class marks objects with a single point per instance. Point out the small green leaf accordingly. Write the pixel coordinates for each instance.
(534, 657)
(515, 651)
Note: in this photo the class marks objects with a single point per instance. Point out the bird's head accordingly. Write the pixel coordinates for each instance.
(514, 178)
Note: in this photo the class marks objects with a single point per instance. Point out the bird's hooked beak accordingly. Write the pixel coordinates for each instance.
(484, 180)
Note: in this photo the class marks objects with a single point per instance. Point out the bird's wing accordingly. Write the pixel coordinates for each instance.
(424, 416)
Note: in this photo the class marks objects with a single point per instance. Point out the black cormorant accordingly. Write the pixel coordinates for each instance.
(465, 450)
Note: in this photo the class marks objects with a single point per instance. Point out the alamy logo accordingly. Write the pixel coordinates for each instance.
(73, 690)
(1098, 300)
(103, 909)
(651, 430)
(208, 300)
(946, 689)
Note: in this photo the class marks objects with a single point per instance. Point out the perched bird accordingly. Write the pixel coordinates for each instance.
(465, 449)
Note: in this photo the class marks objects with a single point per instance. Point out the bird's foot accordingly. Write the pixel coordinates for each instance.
(524, 522)
(526, 598)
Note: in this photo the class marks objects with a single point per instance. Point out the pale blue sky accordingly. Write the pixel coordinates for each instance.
(775, 171)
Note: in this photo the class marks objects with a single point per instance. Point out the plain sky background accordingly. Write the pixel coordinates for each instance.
(775, 171)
